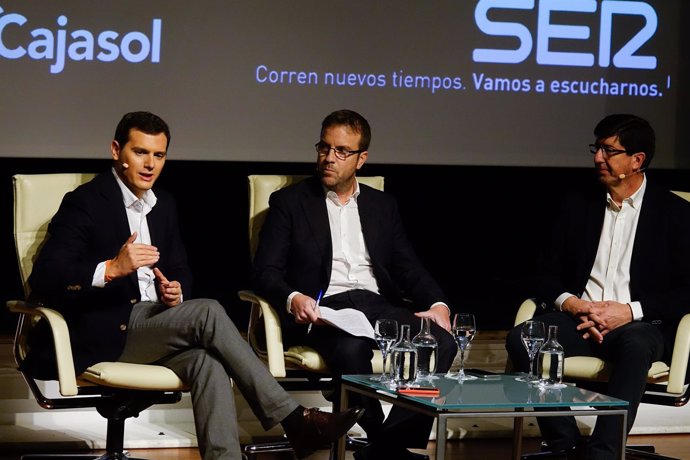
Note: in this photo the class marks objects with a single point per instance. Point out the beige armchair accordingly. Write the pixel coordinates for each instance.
(264, 332)
(298, 367)
(117, 390)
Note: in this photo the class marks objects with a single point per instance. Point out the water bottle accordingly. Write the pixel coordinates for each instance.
(403, 359)
(427, 348)
(550, 370)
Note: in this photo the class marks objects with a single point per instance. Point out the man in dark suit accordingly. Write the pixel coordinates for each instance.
(617, 269)
(334, 235)
(116, 268)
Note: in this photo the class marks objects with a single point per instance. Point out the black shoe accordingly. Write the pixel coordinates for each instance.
(316, 429)
(377, 452)
(576, 452)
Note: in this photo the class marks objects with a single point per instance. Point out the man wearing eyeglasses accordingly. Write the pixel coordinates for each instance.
(331, 234)
(115, 266)
(617, 271)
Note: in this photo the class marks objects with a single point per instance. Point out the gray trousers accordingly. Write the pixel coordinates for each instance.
(200, 343)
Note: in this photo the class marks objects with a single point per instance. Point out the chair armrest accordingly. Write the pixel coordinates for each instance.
(526, 311)
(63, 347)
(272, 329)
(681, 354)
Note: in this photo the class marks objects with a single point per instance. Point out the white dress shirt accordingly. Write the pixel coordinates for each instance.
(610, 276)
(352, 267)
(137, 209)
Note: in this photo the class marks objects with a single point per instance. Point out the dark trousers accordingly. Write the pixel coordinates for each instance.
(629, 351)
(346, 354)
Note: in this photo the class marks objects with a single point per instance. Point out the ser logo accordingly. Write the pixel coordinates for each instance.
(60, 45)
(625, 57)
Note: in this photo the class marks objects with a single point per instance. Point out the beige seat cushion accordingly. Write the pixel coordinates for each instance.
(585, 367)
(307, 358)
(134, 376)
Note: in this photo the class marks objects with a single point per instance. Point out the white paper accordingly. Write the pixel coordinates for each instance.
(349, 320)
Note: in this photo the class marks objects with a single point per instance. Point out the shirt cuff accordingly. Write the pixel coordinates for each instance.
(558, 303)
(289, 301)
(99, 276)
(636, 308)
(440, 303)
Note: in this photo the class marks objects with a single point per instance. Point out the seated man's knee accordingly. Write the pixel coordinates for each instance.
(208, 307)
(351, 356)
(447, 349)
(516, 350)
(640, 339)
(355, 349)
(514, 341)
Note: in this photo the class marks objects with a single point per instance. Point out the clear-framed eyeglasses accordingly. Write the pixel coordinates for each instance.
(341, 153)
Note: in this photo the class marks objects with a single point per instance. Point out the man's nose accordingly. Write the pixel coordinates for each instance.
(599, 156)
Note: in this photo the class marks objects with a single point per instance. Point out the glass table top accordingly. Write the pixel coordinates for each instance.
(498, 392)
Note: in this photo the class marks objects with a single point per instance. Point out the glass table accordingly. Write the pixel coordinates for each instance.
(488, 397)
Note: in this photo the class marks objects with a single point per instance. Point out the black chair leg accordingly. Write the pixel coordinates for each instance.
(253, 450)
(632, 452)
(114, 445)
(59, 456)
(644, 453)
(106, 456)
(355, 443)
(544, 456)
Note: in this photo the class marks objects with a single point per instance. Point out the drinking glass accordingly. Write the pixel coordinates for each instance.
(386, 334)
(532, 335)
(464, 329)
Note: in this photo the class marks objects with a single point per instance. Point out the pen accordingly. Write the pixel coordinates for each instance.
(318, 299)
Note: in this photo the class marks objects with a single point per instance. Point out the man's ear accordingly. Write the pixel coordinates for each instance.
(639, 159)
(362, 159)
(115, 150)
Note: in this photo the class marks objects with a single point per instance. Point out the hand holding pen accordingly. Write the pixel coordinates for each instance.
(316, 307)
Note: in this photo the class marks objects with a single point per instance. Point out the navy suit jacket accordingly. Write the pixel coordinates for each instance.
(90, 227)
(660, 264)
(295, 250)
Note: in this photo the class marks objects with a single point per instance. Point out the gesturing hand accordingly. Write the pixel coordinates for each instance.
(130, 257)
(170, 291)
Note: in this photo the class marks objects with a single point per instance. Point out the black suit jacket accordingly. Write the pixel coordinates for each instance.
(660, 264)
(90, 227)
(295, 250)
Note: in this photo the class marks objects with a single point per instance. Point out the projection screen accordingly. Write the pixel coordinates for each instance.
(488, 82)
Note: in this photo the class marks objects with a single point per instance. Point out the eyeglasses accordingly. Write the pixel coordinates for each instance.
(324, 149)
(607, 151)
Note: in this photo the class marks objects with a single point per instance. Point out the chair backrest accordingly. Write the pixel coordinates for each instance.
(37, 198)
(260, 188)
(684, 195)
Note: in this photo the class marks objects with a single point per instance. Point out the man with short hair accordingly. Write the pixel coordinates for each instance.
(617, 271)
(115, 267)
(335, 235)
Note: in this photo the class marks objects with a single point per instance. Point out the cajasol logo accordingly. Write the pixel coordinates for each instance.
(56, 44)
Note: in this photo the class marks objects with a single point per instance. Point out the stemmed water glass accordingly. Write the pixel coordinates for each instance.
(386, 334)
(532, 336)
(464, 329)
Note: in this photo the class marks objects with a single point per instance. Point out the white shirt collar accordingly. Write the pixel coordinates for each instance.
(331, 195)
(634, 200)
